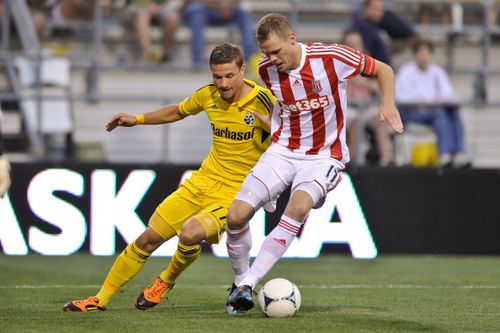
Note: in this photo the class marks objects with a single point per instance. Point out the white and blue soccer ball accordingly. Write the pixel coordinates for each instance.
(279, 298)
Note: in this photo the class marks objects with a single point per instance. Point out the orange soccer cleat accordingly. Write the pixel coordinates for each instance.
(153, 295)
(84, 305)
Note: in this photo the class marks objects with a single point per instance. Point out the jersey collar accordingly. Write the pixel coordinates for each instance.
(250, 96)
(302, 58)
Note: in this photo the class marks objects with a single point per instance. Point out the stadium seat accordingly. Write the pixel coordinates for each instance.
(416, 146)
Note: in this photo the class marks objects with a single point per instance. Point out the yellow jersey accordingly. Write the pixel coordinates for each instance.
(239, 137)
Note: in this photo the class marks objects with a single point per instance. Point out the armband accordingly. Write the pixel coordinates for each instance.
(139, 118)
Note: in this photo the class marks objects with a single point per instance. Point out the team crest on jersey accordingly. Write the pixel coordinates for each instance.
(316, 86)
(249, 118)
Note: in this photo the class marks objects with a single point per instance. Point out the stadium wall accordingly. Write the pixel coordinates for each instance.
(65, 208)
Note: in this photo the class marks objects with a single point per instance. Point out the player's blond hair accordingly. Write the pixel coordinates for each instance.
(225, 54)
(272, 23)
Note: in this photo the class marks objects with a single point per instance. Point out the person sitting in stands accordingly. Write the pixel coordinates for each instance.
(427, 91)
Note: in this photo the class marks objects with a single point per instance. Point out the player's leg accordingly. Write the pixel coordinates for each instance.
(312, 181)
(267, 180)
(188, 250)
(132, 259)
(126, 266)
(173, 212)
(238, 244)
(208, 225)
(273, 248)
(239, 238)
(277, 242)
(264, 184)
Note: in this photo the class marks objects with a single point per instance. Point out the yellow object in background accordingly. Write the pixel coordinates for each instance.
(59, 49)
(252, 68)
(425, 155)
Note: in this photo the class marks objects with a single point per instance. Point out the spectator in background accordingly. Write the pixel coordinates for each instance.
(4, 166)
(429, 97)
(425, 10)
(143, 14)
(361, 92)
(67, 11)
(200, 13)
(373, 18)
(38, 16)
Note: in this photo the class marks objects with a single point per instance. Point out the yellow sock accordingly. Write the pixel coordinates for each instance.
(126, 266)
(183, 257)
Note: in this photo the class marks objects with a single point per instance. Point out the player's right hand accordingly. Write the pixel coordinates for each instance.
(121, 119)
(266, 120)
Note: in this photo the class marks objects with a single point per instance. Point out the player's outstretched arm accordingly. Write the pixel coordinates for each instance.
(387, 111)
(163, 115)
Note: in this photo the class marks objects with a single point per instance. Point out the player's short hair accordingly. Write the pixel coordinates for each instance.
(272, 23)
(225, 54)
(421, 42)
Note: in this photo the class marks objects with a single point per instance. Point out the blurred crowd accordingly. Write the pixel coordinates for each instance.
(140, 16)
(424, 92)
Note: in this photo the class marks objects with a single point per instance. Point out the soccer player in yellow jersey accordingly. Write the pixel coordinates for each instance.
(197, 211)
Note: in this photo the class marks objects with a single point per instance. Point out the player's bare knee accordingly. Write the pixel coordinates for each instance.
(237, 218)
(148, 243)
(191, 234)
(299, 205)
(297, 212)
(188, 239)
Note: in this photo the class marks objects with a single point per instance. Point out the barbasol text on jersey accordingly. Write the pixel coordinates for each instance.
(234, 135)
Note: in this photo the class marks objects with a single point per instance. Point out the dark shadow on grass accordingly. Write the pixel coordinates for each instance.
(369, 318)
(380, 324)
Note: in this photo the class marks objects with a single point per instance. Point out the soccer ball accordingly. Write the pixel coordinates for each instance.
(279, 298)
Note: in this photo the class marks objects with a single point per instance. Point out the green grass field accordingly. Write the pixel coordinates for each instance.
(339, 294)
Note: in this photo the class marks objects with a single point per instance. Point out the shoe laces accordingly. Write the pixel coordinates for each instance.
(92, 300)
(250, 290)
(158, 288)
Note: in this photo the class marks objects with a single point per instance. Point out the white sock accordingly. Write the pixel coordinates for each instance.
(273, 248)
(445, 158)
(239, 243)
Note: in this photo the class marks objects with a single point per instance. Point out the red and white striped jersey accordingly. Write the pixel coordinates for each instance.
(310, 115)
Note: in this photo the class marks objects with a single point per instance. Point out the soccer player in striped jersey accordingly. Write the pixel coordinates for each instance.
(308, 149)
(197, 210)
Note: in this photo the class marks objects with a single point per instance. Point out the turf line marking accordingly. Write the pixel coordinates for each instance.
(333, 286)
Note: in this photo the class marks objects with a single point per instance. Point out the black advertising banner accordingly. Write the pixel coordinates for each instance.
(98, 208)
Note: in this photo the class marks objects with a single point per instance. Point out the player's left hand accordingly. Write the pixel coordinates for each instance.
(391, 114)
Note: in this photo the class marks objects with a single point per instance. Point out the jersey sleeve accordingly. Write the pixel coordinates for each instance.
(355, 63)
(268, 100)
(193, 104)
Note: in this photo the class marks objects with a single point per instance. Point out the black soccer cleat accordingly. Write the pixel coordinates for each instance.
(241, 299)
(229, 308)
(84, 305)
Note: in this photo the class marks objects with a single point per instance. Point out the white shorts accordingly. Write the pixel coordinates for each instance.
(279, 168)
